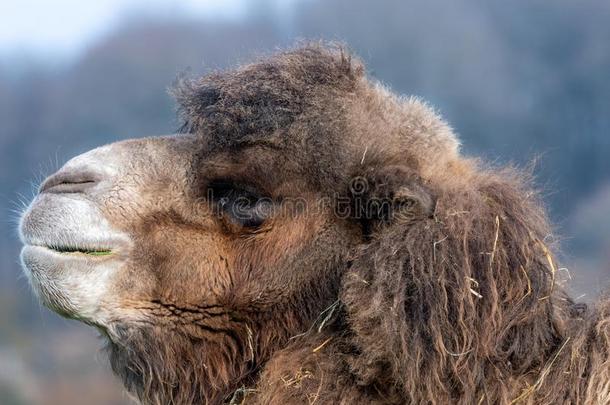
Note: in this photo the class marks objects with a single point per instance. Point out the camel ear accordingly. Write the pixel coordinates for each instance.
(390, 195)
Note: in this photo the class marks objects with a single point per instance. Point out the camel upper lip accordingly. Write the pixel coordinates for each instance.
(72, 242)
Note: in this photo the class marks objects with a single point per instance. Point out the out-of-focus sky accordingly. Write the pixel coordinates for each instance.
(62, 28)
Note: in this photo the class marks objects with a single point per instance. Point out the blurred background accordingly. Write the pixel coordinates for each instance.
(521, 81)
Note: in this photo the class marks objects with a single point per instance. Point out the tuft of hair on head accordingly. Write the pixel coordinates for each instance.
(266, 95)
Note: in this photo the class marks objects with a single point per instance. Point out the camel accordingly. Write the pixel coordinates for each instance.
(310, 237)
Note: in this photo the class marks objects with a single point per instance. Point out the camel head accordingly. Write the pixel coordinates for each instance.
(303, 209)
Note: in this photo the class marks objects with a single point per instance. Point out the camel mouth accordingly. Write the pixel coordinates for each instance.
(74, 251)
(77, 250)
(48, 257)
(71, 254)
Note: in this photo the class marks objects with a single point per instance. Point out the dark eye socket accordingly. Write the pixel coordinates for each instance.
(242, 203)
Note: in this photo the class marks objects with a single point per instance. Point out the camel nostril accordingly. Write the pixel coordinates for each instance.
(69, 182)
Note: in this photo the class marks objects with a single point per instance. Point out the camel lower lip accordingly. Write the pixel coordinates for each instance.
(70, 284)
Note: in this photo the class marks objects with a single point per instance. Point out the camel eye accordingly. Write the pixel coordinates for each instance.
(241, 203)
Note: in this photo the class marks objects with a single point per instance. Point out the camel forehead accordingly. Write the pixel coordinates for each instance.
(314, 103)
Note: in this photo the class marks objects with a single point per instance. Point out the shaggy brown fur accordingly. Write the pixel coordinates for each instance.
(460, 306)
(387, 269)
